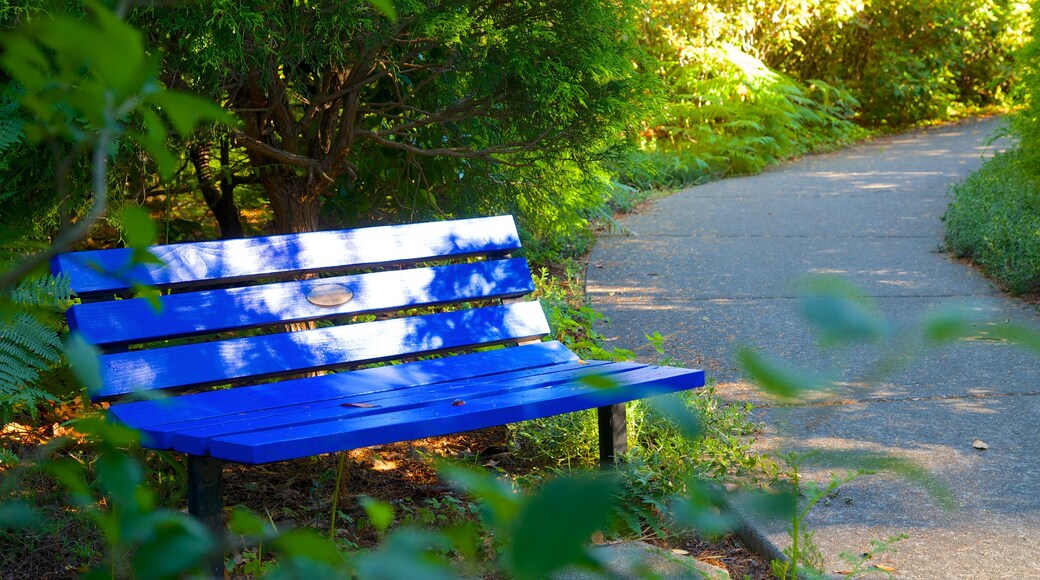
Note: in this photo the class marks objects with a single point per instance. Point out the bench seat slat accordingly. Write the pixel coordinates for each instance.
(289, 254)
(210, 311)
(193, 436)
(444, 417)
(258, 398)
(214, 363)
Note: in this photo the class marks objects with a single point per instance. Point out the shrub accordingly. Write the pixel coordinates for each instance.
(729, 113)
(909, 61)
(994, 219)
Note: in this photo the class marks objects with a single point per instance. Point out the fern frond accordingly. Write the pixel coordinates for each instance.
(27, 349)
(44, 291)
(13, 352)
(28, 332)
(14, 377)
(7, 457)
(12, 121)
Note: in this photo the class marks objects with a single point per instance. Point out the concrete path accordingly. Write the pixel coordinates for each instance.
(715, 266)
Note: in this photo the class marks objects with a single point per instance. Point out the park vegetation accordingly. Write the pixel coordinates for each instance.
(994, 217)
(240, 118)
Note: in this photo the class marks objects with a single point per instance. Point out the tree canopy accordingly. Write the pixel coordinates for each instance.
(338, 102)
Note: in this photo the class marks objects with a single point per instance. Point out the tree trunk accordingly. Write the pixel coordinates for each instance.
(294, 203)
(221, 201)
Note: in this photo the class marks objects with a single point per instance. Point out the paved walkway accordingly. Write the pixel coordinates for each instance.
(714, 266)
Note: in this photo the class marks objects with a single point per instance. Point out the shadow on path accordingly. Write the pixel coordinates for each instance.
(715, 266)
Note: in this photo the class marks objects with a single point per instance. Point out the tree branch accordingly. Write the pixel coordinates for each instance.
(280, 155)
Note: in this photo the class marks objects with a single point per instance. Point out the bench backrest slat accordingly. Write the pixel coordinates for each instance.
(255, 357)
(201, 263)
(123, 322)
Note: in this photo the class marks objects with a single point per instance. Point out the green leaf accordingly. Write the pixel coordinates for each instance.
(679, 414)
(556, 525)
(119, 476)
(154, 142)
(874, 462)
(149, 293)
(380, 513)
(1016, 334)
(946, 325)
(143, 256)
(598, 381)
(657, 341)
(465, 538)
(295, 568)
(386, 7)
(308, 544)
(139, 230)
(704, 509)
(24, 61)
(185, 110)
(245, 523)
(406, 554)
(106, 432)
(770, 503)
(497, 499)
(84, 362)
(839, 311)
(16, 514)
(72, 477)
(774, 377)
(112, 49)
(177, 544)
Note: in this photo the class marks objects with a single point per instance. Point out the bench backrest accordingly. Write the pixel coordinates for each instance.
(370, 292)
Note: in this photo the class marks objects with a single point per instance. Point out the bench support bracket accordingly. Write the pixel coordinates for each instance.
(613, 433)
(206, 502)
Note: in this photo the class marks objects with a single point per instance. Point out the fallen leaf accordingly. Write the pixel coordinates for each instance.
(679, 552)
(884, 568)
(458, 403)
(359, 405)
(979, 444)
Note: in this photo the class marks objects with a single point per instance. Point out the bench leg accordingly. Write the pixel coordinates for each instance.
(206, 502)
(613, 433)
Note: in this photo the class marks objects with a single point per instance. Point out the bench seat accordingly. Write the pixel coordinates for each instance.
(268, 349)
(258, 424)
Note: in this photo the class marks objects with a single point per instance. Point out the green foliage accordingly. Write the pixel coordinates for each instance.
(547, 530)
(756, 82)
(845, 318)
(994, 219)
(908, 61)
(29, 343)
(449, 109)
(84, 77)
(140, 537)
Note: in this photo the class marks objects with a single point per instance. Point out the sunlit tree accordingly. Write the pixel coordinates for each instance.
(338, 100)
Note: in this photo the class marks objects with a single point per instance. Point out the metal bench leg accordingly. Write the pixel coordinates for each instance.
(613, 433)
(206, 502)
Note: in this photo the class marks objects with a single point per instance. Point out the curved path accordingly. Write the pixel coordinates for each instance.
(716, 265)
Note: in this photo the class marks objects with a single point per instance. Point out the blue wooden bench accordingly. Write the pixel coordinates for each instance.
(392, 294)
